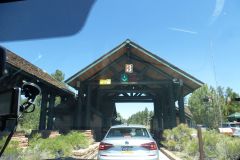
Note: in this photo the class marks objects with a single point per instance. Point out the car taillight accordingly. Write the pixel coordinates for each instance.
(104, 146)
(150, 146)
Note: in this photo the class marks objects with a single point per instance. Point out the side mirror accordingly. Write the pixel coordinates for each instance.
(2, 61)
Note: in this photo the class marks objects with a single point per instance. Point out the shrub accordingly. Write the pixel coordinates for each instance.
(12, 151)
(34, 153)
(228, 149)
(29, 122)
(77, 140)
(215, 145)
(177, 138)
(60, 146)
(191, 148)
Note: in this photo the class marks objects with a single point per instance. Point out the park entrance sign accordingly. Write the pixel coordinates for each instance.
(137, 75)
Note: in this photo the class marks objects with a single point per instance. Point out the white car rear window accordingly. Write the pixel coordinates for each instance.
(127, 132)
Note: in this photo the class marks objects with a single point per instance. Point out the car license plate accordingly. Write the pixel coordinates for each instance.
(127, 152)
(127, 149)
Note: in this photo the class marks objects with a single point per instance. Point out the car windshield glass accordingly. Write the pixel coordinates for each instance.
(235, 125)
(225, 125)
(127, 132)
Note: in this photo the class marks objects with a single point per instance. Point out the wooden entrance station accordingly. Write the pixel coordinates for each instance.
(129, 73)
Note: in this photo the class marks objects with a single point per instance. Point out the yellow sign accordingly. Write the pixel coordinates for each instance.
(105, 81)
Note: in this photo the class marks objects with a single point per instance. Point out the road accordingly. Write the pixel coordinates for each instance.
(162, 156)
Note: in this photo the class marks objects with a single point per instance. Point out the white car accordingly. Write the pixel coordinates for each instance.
(230, 128)
(130, 142)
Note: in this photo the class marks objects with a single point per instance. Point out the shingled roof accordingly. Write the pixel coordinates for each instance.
(145, 57)
(23, 65)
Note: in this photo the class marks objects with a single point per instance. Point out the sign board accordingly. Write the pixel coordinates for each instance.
(105, 81)
(124, 77)
(129, 68)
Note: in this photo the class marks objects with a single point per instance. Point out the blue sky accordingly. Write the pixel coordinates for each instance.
(200, 37)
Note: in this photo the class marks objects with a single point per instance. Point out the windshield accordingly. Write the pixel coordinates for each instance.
(75, 69)
(235, 125)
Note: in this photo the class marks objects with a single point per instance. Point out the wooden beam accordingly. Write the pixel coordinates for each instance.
(172, 108)
(181, 105)
(116, 83)
(133, 99)
(103, 71)
(50, 112)
(78, 115)
(125, 94)
(158, 113)
(88, 107)
(99, 98)
(145, 69)
(164, 104)
(43, 112)
(188, 87)
(152, 66)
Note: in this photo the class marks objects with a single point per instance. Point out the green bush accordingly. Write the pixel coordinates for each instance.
(177, 138)
(228, 149)
(34, 154)
(77, 140)
(29, 122)
(60, 146)
(12, 151)
(191, 148)
(216, 145)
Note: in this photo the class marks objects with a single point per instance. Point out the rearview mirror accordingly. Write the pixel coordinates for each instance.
(24, 20)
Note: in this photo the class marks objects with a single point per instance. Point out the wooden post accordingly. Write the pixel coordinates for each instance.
(50, 111)
(99, 97)
(78, 115)
(158, 117)
(43, 112)
(200, 142)
(181, 105)
(158, 112)
(172, 108)
(88, 107)
(165, 110)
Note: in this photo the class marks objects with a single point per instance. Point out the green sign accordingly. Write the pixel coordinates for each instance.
(124, 77)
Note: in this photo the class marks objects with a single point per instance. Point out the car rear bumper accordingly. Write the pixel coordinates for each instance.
(127, 158)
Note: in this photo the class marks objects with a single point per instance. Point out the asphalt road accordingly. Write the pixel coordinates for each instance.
(161, 156)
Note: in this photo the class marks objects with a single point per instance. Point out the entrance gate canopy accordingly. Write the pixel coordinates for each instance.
(148, 69)
(129, 73)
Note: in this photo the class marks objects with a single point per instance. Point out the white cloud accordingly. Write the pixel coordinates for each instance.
(182, 30)
(38, 58)
(217, 10)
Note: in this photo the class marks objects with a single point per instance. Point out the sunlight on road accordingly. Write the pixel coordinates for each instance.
(162, 156)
